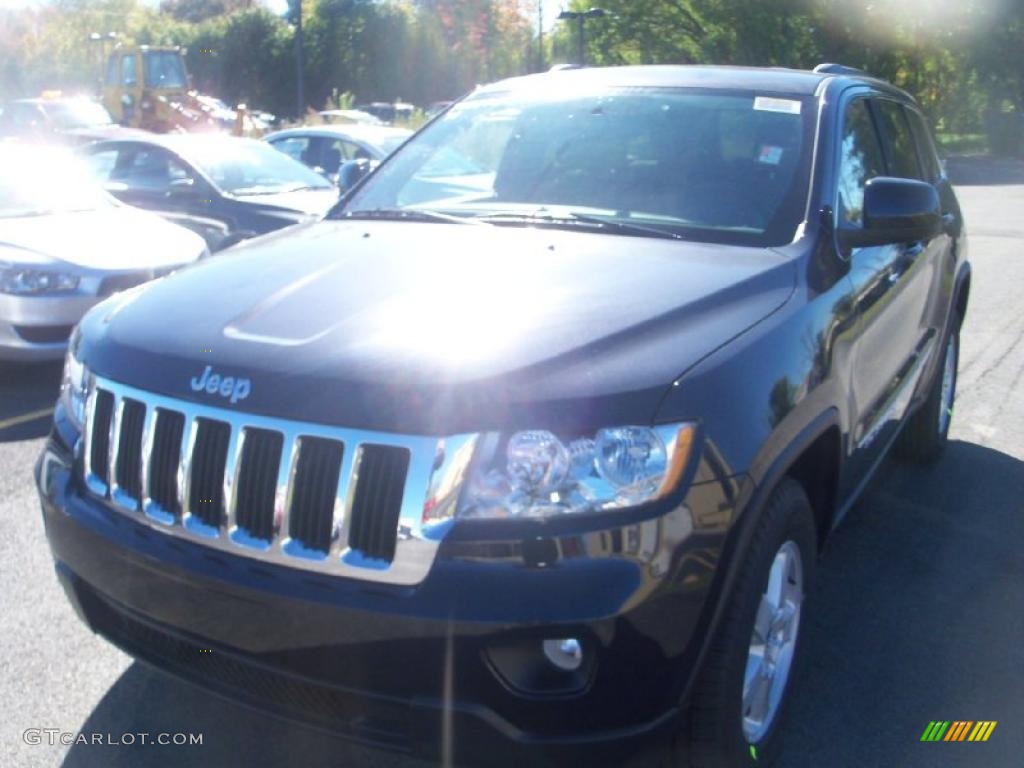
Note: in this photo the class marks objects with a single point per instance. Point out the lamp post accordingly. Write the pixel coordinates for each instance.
(581, 17)
(300, 67)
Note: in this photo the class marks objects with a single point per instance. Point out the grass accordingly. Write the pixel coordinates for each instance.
(963, 143)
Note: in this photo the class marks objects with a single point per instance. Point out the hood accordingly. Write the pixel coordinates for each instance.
(113, 239)
(315, 202)
(440, 328)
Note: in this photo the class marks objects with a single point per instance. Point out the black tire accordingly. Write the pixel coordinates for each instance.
(923, 439)
(714, 734)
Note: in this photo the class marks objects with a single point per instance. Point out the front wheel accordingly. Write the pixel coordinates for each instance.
(741, 696)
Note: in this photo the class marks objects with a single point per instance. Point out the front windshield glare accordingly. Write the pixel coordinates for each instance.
(722, 167)
(244, 167)
(50, 181)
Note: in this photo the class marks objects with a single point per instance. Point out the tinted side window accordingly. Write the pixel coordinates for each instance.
(902, 154)
(925, 146)
(296, 147)
(102, 163)
(112, 71)
(860, 159)
(148, 169)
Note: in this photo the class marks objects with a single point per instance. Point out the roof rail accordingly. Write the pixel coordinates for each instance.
(828, 68)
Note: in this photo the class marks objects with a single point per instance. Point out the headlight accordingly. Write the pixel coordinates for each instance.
(74, 387)
(537, 474)
(30, 282)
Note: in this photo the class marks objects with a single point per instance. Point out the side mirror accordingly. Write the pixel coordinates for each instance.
(897, 211)
(351, 173)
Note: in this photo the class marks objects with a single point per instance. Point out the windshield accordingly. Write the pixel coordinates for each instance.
(722, 167)
(77, 114)
(38, 182)
(163, 69)
(244, 167)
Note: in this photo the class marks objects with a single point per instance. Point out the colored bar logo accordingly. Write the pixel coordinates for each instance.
(958, 730)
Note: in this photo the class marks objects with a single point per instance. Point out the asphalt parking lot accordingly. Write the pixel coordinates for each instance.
(918, 615)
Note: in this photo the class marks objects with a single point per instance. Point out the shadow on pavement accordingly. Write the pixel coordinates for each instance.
(984, 170)
(144, 700)
(918, 617)
(27, 395)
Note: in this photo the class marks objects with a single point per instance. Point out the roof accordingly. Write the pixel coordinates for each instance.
(357, 131)
(182, 144)
(779, 80)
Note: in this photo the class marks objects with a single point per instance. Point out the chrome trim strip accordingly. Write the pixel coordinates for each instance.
(94, 483)
(283, 495)
(232, 468)
(188, 444)
(428, 477)
(148, 431)
(118, 496)
(343, 501)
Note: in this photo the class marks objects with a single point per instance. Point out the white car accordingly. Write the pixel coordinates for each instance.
(65, 244)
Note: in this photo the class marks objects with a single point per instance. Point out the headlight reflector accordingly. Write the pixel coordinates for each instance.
(74, 388)
(20, 281)
(537, 474)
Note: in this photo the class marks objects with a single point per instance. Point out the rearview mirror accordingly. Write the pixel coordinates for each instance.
(351, 173)
(897, 211)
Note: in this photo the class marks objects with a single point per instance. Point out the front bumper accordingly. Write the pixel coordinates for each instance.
(449, 668)
(37, 328)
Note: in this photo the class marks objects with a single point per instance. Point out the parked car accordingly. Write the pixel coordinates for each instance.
(73, 120)
(325, 148)
(349, 116)
(387, 111)
(65, 244)
(225, 188)
(537, 474)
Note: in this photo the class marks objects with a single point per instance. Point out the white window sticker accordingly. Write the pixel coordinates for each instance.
(768, 104)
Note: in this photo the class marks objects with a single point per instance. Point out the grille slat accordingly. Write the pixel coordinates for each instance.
(128, 472)
(209, 459)
(377, 504)
(257, 482)
(290, 489)
(163, 461)
(100, 435)
(311, 515)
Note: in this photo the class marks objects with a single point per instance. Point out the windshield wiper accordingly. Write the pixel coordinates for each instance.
(405, 214)
(580, 220)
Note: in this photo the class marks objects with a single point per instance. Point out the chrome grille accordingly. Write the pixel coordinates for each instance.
(341, 501)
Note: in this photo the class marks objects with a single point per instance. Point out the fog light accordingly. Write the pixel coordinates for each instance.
(565, 653)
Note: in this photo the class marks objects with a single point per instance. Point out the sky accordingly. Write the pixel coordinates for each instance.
(551, 7)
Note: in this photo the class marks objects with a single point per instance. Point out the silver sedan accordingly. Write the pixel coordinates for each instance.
(65, 244)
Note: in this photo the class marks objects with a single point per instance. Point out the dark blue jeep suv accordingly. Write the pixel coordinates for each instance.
(526, 452)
